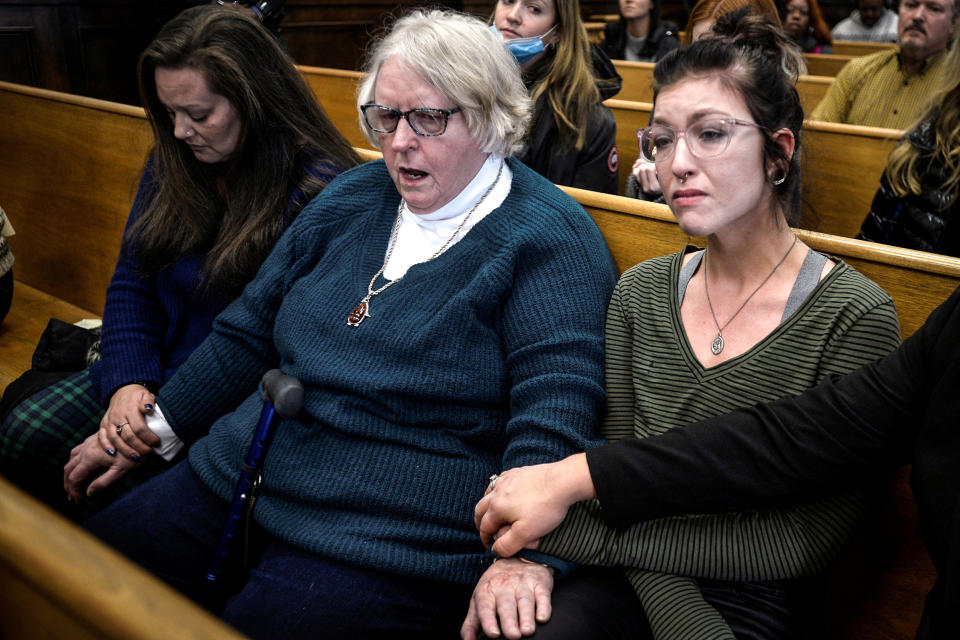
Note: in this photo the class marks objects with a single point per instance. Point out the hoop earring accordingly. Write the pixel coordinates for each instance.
(778, 181)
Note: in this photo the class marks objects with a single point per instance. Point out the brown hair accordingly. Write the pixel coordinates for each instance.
(284, 130)
(755, 58)
(713, 9)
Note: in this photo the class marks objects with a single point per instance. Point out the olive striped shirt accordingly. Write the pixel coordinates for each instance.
(655, 383)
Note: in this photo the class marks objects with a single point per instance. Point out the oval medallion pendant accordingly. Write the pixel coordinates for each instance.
(717, 345)
(357, 315)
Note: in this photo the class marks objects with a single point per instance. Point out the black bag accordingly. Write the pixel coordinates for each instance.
(66, 347)
(63, 350)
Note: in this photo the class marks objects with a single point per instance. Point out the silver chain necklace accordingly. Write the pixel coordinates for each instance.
(362, 310)
(716, 347)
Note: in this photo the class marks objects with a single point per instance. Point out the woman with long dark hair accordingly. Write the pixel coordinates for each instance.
(240, 146)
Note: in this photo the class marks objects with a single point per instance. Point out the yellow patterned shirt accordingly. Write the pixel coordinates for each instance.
(876, 91)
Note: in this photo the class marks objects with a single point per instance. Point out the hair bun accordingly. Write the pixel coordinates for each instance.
(749, 31)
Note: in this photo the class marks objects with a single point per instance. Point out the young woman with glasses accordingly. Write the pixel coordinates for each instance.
(753, 316)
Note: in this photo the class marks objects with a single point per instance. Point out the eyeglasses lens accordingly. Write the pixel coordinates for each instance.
(705, 139)
(424, 122)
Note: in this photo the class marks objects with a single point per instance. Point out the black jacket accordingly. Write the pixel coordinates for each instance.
(924, 221)
(660, 41)
(596, 165)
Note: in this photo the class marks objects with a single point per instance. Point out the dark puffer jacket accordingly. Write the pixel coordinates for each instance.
(596, 165)
(924, 221)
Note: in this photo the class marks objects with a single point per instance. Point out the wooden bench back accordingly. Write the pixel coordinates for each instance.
(638, 84)
(68, 173)
(854, 48)
(57, 581)
(842, 165)
(826, 64)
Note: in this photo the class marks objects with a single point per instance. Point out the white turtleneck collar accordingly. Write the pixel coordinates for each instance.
(421, 235)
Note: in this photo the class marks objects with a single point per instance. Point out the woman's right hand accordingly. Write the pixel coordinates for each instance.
(123, 429)
(87, 458)
(645, 173)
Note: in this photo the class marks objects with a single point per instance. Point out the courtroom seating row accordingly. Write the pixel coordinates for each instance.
(45, 134)
(840, 47)
(842, 164)
(638, 84)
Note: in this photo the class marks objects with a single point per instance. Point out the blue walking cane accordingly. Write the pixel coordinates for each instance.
(282, 394)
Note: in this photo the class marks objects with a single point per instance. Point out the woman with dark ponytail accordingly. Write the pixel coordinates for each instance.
(753, 316)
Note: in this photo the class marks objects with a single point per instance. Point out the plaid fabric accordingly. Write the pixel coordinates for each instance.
(38, 435)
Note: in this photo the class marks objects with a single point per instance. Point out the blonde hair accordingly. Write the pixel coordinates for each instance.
(904, 166)
(569, 83)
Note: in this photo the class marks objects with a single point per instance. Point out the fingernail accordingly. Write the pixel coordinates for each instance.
(111, 452)
(148, 407)
(135, 457)
(89, 493)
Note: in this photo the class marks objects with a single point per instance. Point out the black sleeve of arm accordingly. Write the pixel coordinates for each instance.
(795, 446)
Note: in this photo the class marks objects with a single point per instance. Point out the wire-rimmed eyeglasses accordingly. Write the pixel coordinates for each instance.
(423, 121)
(705, 138)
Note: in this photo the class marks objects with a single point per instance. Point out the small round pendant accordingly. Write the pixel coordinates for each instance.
(717, 345)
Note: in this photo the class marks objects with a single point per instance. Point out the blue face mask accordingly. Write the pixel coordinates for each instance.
(524, 49)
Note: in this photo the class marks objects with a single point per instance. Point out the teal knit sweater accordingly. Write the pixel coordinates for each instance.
(486, 358)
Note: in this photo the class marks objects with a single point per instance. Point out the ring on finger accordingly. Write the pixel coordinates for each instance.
(493, 482)
(120, 428)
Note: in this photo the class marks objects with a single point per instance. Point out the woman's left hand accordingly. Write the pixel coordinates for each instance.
(123, 429)
(511, 597)
(86, 458)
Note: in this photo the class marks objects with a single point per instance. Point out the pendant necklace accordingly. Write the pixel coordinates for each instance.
(362, 311)
(716, 347)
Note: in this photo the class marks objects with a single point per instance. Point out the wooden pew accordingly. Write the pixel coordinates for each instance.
(634, 231)
(57, 581)
(67, 206)
(337, 91)
(841, 165)
(854, 48)
(825, 64)
(594, 31)
(638, 84)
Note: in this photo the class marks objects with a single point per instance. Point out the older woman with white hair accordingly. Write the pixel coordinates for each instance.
(444, 311)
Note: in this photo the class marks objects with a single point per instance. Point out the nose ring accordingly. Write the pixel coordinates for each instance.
(189, 132)
(683, 178)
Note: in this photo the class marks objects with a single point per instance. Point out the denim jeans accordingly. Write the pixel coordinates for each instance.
(171, 526)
